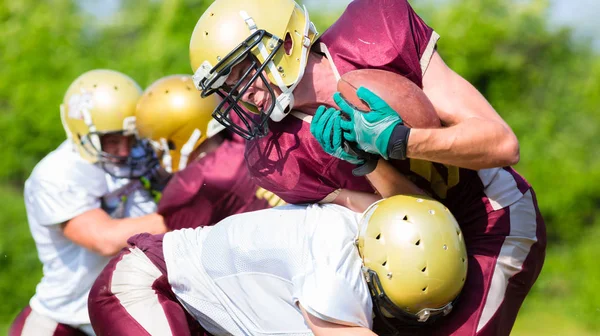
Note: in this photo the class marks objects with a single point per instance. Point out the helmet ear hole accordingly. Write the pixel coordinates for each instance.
(288, 44)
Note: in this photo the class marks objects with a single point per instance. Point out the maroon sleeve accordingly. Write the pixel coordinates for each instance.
(380, 34)
(180, 195)
(409, 34)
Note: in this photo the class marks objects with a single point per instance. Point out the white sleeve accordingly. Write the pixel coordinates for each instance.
(337, 292)
(55, 202)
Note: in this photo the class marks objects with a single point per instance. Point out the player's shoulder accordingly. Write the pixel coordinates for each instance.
(223, 165)
(65, 167)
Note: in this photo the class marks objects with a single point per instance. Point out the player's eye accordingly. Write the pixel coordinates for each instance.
(229, 90)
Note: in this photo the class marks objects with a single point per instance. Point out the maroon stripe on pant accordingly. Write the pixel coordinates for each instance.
(520, 284)
(67, 330)
(152, 246)
(522, 184)
(109, 317)
(17, 326)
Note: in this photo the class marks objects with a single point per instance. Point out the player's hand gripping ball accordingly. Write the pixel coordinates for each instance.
(325, 127)
(380, 106)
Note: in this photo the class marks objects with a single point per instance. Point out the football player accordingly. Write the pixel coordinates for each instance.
(274, 74)
(291, 270)
(211, 180)
(84, 200)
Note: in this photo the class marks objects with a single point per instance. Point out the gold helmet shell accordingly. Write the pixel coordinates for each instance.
(274, 35)
(221, 29)
(173, 115)
(99, 102)
(414, 256)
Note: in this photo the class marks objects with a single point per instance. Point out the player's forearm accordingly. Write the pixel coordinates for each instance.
(474, 143)
(356, 201)
(115, 238)
(388, 181)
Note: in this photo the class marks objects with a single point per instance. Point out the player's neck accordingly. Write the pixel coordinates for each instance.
(317, 85)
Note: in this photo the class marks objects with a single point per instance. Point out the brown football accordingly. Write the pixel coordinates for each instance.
(404, 96)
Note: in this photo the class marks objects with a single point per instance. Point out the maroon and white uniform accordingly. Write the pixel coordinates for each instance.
(206, 191)
(496, 208)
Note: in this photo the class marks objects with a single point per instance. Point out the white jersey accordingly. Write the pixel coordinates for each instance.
(245, 275)
(63, 186)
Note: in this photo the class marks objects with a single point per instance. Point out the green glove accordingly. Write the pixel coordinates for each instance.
(371, 130)
(325, 127)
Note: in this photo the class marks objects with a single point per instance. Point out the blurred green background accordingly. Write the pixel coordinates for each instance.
(541, 77)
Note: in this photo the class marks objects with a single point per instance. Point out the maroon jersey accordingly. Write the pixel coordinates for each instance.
(210, 189)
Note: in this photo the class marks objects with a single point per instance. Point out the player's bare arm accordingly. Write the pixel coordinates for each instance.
(97, 231)
(323, 328)
(386, 179)
(476, 137)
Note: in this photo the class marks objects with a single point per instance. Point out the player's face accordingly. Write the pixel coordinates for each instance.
(117, 145)
(257, 94)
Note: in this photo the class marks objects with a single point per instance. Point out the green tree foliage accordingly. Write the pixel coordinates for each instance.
(47, 44)
(539, 78)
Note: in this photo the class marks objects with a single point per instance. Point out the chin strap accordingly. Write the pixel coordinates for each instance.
(188, 148)
(167, 160)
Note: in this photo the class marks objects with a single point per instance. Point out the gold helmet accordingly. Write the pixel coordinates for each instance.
(274, 35)
(99, 102)
(414, 257)
(176, 119)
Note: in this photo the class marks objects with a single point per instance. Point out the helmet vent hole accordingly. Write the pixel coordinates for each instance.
(405, 217)
(95, 86)
(424, 269)
(171, 145)
(384, 263)
(166, 91)
(205, 33)
(378, 236)
(116, 88)
(418, 242)
(463, 279)
(424, 289)
(288, 44)
(463, 259)
(188, 88)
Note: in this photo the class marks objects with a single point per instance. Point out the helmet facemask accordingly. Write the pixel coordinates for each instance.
(250, 124)
(140, 160)
(262, 50)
